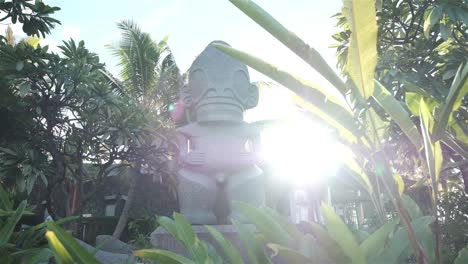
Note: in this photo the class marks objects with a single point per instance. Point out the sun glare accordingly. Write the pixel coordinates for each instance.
(301, 151)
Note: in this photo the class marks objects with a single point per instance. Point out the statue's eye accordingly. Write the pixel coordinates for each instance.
(197, 82)
(241, 84)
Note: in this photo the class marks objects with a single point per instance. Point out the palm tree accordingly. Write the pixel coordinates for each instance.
(150, 77)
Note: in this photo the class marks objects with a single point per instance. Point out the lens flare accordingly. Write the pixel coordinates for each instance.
(301, 152)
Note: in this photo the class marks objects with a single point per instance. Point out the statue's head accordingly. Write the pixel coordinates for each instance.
(218, 87)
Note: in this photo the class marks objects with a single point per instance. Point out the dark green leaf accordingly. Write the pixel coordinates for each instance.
(376, 241)
(7, 229)
(462, 257)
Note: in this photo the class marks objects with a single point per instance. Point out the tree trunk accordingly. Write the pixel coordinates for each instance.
(128, 204)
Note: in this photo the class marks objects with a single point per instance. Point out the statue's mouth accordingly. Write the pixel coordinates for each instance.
(219, 109)
(220, 100)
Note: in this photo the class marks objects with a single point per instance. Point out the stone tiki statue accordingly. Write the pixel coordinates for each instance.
(218, 151)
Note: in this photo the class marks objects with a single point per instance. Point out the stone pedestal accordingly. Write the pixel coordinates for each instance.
(163, 240)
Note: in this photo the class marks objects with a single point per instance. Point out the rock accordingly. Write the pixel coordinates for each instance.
(108, 257)
(111, 244)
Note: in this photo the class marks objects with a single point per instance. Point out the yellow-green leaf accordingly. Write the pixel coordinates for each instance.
(64, 245)
(61, 254)
(229, 250)
(320, 102)
(340, 232)
(398, 114)
(413, 99)
(458, 90)
(432, 15)
(353, 166)
(291, 40)
(432, 149)
(459, 133)
(399, 183)
(362, 54)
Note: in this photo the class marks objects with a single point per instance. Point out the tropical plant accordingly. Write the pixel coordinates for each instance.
(453, 212)
(21, 244)
(369, 110)
(34, 16)
(141, 229)
(150, 77)
(275, 238)
(420, 44)
(68, 115)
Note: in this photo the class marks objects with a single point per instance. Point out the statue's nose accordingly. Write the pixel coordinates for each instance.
(212, 93)
(228, 92)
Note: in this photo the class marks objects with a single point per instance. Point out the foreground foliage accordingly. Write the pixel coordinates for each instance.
(373, 110)
(272, 238)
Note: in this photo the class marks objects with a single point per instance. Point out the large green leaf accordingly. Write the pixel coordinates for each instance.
(433, 15)
(362, 53)
(290, 227)
(162, 256)
(184, 230)
(400, 242)
(462, 257)
(355, 168)
(412, 207)
(457, 146)
(339, 231)
(33, 255)
(229, 250)
(432, 149)
(5, 202)
(326, 246)
(376, 242)
(9, 227)
(413, 100)
(453, 101)
(323, 104)
(291, 40)
(255, 251)
(189, 239)
(272, 230)
(169, 225)
(398, 114)
(65, 246)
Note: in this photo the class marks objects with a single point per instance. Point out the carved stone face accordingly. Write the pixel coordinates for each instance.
(218, 87)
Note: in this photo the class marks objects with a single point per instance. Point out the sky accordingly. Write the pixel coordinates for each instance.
(192, 24)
